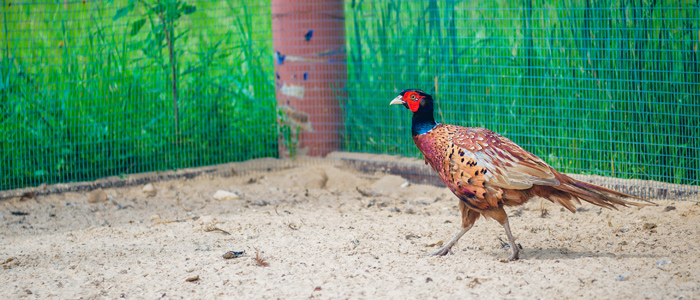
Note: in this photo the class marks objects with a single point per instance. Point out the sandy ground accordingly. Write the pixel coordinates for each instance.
(327, 233)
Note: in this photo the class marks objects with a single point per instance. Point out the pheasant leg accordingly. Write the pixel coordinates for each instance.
(447, 249)
(511, 240)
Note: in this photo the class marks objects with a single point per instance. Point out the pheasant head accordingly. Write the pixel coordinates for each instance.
(421, 104)
(414, 100)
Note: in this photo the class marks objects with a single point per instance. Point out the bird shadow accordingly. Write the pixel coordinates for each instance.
(558, 253)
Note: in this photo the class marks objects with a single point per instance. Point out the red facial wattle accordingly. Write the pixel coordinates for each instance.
(413, 101)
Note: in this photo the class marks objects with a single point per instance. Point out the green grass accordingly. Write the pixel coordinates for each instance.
(83, 98)
(611, 88)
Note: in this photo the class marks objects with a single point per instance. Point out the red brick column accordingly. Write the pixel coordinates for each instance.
(310, 71)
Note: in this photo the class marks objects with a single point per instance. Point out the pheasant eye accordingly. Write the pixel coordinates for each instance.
(413, 97)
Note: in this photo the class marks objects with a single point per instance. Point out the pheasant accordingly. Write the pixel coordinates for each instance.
(487, 171)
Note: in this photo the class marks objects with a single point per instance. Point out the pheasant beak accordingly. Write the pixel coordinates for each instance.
(398, 100)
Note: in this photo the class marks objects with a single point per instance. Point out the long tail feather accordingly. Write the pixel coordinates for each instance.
(599, 195)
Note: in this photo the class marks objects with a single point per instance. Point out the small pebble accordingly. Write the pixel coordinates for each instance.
(222, 195)
(150, 190)
(405, 184)
(412, 236)
(97, 196)
(192, 279)
(621, 277)
(649, 226)
(669, 208)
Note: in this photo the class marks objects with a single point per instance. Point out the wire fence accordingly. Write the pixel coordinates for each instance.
(101, 88)
(609, 88)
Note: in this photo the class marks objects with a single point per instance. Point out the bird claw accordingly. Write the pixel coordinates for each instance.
(442, 252)
(511, 258)
(515, 256)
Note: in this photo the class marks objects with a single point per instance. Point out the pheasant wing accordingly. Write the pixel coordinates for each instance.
(479, 161)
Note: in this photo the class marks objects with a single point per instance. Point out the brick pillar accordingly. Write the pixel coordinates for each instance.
(310, 72)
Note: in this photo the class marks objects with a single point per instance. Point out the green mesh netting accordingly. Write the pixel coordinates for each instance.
(596, 87)
(87, 87)
(98, 88)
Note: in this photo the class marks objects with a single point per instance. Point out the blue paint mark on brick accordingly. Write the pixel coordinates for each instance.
(279, 57)
(308, 35)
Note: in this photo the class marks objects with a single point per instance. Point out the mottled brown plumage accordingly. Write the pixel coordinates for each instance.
(487, 171)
